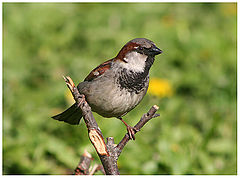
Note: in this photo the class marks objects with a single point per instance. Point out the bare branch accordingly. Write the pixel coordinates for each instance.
(95, 168)
(95, 134)
(83, 166)
(108, 153)
(98, 142)
(144, 119)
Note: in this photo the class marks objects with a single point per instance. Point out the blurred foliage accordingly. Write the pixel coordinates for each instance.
(196, 132)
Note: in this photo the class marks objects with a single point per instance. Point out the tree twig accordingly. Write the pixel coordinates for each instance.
(95, 168)
(94, 132)
(84, 164)
(144, 119)
(108, 153)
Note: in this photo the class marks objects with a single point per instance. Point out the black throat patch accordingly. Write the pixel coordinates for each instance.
(135, 81)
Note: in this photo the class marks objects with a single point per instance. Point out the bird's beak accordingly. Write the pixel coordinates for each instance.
(155, 50)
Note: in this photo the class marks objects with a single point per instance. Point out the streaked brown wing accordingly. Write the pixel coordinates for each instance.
(98, 71)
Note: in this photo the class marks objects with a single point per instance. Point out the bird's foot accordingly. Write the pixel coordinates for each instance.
(82, 101)
(131, 132)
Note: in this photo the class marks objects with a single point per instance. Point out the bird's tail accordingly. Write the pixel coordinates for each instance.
(72, 115)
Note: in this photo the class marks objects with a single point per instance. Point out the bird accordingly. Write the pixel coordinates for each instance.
(116, 86)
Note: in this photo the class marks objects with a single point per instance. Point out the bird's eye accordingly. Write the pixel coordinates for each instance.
(140, 48)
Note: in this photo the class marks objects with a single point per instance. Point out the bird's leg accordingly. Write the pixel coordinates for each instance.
(131, 130)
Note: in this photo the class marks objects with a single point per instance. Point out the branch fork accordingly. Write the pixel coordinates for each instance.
(108, 152)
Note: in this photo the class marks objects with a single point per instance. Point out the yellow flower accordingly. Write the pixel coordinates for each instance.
(160, 88)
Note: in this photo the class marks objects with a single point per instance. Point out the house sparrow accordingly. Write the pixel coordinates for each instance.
(118, 85)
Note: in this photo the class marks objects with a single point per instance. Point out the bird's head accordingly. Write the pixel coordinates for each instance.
(137, 54)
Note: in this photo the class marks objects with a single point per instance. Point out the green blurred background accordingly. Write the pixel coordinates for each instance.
(196, 132)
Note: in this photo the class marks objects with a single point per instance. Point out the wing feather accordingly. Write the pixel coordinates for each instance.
(98, 71)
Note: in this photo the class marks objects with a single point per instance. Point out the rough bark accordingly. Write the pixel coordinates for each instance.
(107, 152)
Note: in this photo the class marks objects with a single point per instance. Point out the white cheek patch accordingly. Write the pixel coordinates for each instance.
(135, 61)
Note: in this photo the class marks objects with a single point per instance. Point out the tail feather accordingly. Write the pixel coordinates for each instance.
(72, 115)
